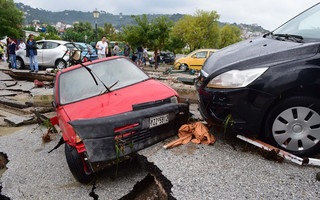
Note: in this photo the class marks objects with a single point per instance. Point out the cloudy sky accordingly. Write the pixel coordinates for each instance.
(267, 13)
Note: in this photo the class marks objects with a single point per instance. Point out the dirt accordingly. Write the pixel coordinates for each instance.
(9, 130)
(147, 189)
(3, 163)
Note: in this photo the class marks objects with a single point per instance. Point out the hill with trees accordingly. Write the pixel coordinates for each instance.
(118, 21)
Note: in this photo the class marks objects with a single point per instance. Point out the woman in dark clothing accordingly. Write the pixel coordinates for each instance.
(31, 48)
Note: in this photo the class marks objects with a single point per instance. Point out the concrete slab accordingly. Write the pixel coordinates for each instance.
(19, 120)
(5, 77)
(24, 86)
(41, 91)
(7, 93)
(10, 83)
(12, 103)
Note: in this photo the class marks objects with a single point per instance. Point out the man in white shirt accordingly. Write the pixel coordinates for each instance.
(102, 47)
(22, 45)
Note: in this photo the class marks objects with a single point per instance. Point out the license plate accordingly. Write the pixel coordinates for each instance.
(159, 120)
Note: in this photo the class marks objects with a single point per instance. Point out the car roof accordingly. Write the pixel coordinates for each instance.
(56, 41)
(205, 50)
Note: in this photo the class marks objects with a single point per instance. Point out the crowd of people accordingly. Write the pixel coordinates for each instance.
(104, 49)
(9, 52)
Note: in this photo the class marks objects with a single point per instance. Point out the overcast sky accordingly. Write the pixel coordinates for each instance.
(268, 13)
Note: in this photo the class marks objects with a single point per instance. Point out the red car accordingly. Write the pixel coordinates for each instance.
(110, 108)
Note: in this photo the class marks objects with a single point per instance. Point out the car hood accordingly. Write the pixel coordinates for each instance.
(119, 101)
(258, 52)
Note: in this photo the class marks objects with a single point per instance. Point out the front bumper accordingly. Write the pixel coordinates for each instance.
(101, 136)
(246, 107)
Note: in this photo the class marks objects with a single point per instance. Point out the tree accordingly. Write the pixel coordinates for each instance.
(152, 34)
(229, 35)
(11, 19)
(199, 31)
(174, 44)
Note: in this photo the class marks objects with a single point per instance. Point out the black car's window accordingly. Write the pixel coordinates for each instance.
(78, 84)
(51, 45)
(40, 45)
(307, 24)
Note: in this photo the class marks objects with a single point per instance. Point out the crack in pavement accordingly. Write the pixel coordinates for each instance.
(154, 176)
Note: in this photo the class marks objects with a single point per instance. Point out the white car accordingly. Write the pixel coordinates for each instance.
(49, 54)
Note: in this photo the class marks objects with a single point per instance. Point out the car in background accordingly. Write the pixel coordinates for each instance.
(194, 60)
(268, 87)
(165, 57)
(51, 53)
(125, 111)
(87, 51)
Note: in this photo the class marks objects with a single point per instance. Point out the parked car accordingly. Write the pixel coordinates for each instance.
(110, 108)
(269, 86)
(50, 53)
(87, 51)
(165, 57)
(194, 60)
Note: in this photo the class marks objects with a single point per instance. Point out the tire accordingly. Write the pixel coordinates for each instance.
(76, 165)
(61, 64)
(20, 63)
(294, 125)
(184, 67)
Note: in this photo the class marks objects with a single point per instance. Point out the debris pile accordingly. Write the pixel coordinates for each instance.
(20, 99)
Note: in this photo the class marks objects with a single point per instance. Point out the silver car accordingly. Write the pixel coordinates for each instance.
(50, 53)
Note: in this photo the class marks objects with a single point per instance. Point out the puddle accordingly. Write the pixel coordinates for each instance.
(9, 130)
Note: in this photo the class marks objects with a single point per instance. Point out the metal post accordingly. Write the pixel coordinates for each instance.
(96, 36)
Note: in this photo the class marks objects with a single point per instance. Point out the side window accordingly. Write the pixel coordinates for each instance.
(51, 45)
(40, 45)
(202, 54)
(210, 53)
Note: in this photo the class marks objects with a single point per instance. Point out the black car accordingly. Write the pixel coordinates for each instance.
(165, 57)
(269, 86)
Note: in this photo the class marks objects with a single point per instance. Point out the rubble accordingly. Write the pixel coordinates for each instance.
(4, 93)
(5, 77)
(12, 103)
(20, 120)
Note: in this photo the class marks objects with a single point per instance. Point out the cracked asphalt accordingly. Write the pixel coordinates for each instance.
(221, 171)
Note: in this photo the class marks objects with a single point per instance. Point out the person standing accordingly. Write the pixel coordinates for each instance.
(102, 47)
(116, 49)
(145, 56)
(140, 53)
(12, 53)
(31, 51)
(1, 51)
(22, 45)
(127, 50)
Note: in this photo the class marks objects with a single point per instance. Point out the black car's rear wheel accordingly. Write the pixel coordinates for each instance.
(76, 165)
(294, 125)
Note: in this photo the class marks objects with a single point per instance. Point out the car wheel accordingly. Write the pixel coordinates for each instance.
(19, 63)
(294, 125)
(76, 165)
(183, 67)
(61, 64)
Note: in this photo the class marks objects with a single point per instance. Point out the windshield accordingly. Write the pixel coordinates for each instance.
(307, 24)
(78, 84)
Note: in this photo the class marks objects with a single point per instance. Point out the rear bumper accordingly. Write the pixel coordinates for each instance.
(101, 136)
